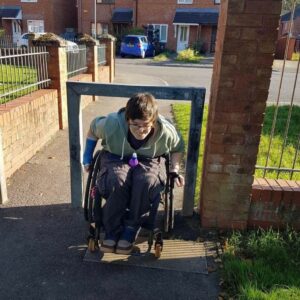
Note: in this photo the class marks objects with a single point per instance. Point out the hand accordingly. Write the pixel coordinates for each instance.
(178, 179)
(87, 167)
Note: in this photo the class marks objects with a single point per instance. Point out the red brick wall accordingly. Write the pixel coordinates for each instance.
(274, 203)
(57, 14)
(27, 124)
(103, 75)
(246, 40)
(149, 12)
(281, 45)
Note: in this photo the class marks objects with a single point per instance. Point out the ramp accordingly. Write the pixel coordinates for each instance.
(177, 255)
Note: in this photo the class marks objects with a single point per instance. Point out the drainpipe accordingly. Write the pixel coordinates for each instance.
(136, 12)
(95, 18)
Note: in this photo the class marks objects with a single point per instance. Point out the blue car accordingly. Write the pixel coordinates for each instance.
(136, 45)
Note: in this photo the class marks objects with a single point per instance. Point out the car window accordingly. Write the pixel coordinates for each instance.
(144, 40)
(131, 40)
(25, 36)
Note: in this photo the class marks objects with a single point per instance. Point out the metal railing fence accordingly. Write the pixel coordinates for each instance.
(22, 71)
(6, 41)
(283, 144)
(76, 61)
(101, 55)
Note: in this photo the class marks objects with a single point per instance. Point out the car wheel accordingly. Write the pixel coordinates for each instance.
(122, 55)
(23, 47)
(143, 54)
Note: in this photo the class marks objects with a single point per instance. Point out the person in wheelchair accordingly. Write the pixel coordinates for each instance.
(133, 172)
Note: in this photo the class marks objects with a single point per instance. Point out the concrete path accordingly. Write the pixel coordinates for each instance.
(43, 239)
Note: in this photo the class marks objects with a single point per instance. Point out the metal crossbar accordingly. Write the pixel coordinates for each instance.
(22, 71)
(194, 94)
(76, 61)
(101, 55)
(279, 169)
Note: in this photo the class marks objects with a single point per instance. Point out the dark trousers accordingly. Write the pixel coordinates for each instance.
(129, 192)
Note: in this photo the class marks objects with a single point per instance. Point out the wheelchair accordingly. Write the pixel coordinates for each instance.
(93, 209)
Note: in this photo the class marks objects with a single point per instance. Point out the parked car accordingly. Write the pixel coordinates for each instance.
(136, 45)
(23, 42)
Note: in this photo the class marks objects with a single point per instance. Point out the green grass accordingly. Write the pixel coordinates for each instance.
(277, 142)
(188, 56)
(182, 119)
(262, 265)
(12, 78)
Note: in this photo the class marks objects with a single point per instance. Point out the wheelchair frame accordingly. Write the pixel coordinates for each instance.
(93, 204)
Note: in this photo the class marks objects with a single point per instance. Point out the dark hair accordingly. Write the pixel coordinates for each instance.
(141, 106)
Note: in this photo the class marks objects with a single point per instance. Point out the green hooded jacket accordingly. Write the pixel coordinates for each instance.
(113, 132)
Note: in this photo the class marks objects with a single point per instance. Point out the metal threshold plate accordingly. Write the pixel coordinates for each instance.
(177, 255)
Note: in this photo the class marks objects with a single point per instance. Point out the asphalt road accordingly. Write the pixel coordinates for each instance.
(138, 71)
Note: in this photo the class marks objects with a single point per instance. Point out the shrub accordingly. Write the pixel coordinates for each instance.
(295, 56)
(188, 55)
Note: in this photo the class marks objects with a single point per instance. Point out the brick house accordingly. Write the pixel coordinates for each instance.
(181, 23)
(284, 28)
(21, 16)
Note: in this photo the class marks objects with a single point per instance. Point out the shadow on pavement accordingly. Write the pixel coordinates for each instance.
(41, 257)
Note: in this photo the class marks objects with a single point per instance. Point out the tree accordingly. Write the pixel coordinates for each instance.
(288, 4)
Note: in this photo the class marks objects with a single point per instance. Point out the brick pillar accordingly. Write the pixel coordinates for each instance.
(57, 70)
(109, 41)
(246, 40)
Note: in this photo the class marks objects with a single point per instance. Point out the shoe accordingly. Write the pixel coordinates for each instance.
(108, 245)
(125, 243)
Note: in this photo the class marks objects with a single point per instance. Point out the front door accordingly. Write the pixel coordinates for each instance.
(16, 31)
(183, 37)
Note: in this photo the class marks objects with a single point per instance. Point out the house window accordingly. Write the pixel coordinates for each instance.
(163, 32)
(106, 1)
(184, 1)
(217, 1)
(35, 26)
(102, 28)
(28, 0)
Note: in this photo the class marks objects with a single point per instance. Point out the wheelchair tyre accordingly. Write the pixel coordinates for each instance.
(91, 180)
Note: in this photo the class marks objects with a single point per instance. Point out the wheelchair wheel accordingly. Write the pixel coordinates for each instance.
(91, 180)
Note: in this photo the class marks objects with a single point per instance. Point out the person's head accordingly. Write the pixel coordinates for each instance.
(141, 114)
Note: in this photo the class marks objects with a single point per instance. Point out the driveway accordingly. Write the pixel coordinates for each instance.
(146, 71)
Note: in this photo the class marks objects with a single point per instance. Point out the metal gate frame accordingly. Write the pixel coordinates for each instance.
(76, 89)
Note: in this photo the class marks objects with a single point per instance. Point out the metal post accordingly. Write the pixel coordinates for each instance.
(193, 153)
(75, 144)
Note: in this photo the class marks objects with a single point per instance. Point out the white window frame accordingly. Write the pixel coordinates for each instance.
(167, 28)
(184, 1)
(28, 0)
(36, 26)
(217, 1)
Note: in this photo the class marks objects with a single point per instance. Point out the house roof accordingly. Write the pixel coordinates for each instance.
(203, 16)
(286, 17)
(10, 12)
(122, 15)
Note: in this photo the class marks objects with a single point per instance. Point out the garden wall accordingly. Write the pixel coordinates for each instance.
(274, 203)
(27, 124)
